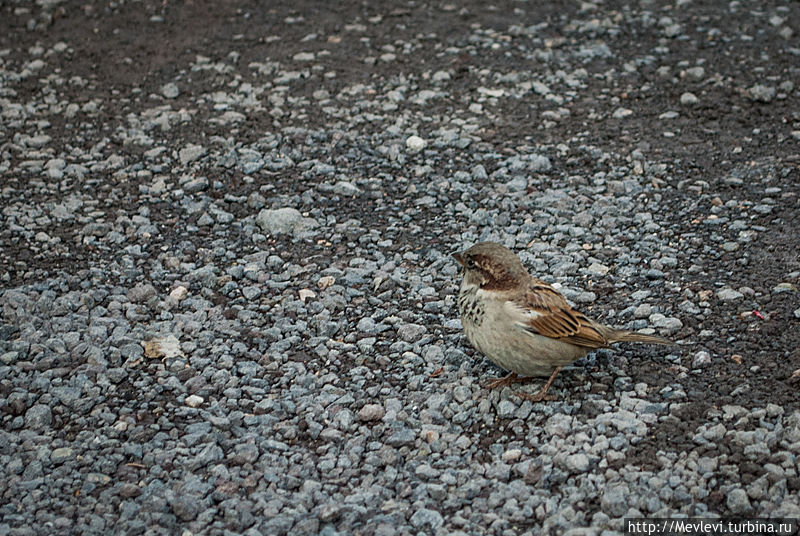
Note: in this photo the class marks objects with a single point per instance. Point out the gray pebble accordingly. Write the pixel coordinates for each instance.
(762, 93)
(738, 502)
(728, 294)
(411, 332)
(371, 412)
(38, 417)
(427, 518)
(190, 153)
(142, 292)
(614, 500)
(285, 220)
(170, 90)
(577, 463)
(400, 437)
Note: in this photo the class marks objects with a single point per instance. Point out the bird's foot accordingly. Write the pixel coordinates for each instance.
(505, 381)
(538, 397)
(542, 394)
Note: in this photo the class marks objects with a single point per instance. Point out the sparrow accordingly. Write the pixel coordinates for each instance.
(521, 323)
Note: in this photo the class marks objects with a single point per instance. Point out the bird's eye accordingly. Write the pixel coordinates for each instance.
(471, 264)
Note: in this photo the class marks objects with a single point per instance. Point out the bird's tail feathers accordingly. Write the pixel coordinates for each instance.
(621, 335)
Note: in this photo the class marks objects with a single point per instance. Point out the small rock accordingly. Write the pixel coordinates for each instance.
(366, 325)
(195, 185)
(425, 517)
(400, 437)
(738, 502)
(37, 142)
(98, 478)
(160, 347)
(701, 359)
(190, 153)
(437, 492)
(668, 323)
(538, 163)
(128, 490)
(696, 73)
(540, 89)
(141, 292)
(179, 293)
(371, 412)
(673, 30)
(325, 281)
(728, 294)
(170, 90)
(687, 99)
(598, 269)
(305, 294)
(194, 401)
(411, 332)
(577, 463)
(762, 93)
(205, 220)
(346, 188)
(783, 287)
(706, 464)
(621, 113)
(479, 172)
(284, 220)
(185, 507)
(415, 144)
(614, 502)
(38, 416)
(505, 409)
(60, 455)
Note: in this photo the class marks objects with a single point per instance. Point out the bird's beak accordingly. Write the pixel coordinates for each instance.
(459, 259)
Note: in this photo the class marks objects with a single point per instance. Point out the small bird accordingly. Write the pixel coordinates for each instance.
(521, 323)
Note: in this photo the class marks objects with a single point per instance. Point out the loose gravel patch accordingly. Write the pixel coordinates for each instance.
(228, 301)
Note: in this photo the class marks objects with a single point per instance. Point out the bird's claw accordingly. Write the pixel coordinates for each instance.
(504, 381)
(538, 397)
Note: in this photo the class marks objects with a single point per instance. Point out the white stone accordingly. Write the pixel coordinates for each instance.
(305, 294)
(689, 99)
(179, 293)
(194, 401)
(621, 113)
(170, 90)
(415, 144)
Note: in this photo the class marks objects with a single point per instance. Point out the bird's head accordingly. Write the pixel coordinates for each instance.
(491, 266)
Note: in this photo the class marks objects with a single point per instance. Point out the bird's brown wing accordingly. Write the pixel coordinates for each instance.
(543, 311)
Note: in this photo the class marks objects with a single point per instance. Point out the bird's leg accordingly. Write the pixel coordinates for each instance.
(542, 394)
(505, 380)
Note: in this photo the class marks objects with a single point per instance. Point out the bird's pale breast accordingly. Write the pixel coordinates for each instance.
(490, 329)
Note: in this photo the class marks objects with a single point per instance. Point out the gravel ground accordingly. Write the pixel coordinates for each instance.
(227, 300)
